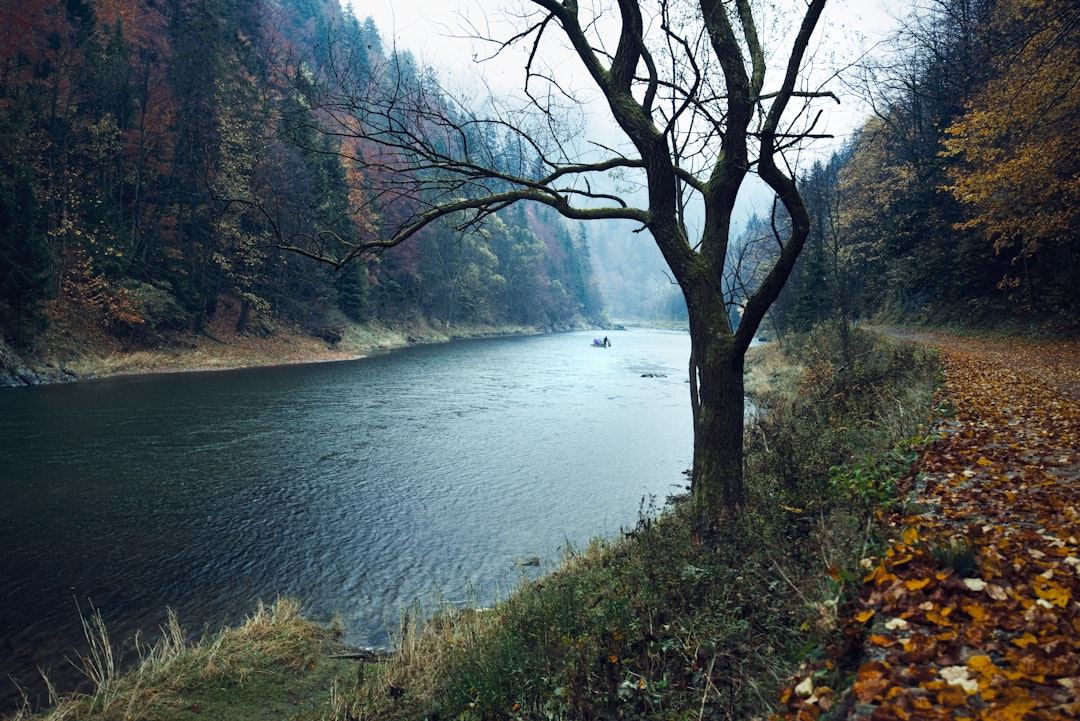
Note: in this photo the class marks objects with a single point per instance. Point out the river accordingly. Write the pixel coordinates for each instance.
(358, 487)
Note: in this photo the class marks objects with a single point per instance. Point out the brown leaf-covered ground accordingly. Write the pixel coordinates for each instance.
(972, 611)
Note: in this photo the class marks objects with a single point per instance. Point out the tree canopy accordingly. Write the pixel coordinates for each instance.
(956, 202)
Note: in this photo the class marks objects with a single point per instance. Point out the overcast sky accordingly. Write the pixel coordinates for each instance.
(441, 35)
(438, 34)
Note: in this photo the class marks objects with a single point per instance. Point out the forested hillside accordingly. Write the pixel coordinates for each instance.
(157, 157)
(958, 202)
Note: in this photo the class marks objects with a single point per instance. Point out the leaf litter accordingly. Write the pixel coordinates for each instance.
(973, 609)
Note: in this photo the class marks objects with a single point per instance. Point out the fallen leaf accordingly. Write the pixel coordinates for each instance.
(915, 584)
(959, 676)
(1026, 640)
(975, 584)
(1053, 593)
(977, 612)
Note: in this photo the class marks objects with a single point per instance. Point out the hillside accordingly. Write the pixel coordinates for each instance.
(166, 165)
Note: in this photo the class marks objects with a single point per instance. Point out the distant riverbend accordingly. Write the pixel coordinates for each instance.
(358, 487)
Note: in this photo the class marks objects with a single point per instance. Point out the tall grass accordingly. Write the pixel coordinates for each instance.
(275, 636)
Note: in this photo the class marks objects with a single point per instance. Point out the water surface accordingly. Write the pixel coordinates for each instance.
(357, 487)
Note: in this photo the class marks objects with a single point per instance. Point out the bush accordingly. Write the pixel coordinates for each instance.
(850, 428)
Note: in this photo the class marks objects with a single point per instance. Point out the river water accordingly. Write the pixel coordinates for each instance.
(358, 487)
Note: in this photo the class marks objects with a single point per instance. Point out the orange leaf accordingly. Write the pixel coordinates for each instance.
(864, 616)
(1026, 640)
(879, 640)
(915, 584)
(977, 612)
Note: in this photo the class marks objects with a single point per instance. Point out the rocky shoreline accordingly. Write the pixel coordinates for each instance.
(15, 372)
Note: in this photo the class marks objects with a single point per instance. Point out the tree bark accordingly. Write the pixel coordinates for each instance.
(717, 477)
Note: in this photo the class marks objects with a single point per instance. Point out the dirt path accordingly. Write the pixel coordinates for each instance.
(973, 612)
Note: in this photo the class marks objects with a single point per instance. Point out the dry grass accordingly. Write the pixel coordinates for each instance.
(172, 675)
(771, 372)
(80, 347)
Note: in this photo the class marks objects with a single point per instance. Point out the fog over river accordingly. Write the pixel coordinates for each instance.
(356, 487)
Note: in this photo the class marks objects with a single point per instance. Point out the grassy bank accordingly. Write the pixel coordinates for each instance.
(70, 347)
(275, 664)
(658, 623)
(663, 624)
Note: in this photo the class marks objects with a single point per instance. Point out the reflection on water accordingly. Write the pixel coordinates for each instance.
(358, 487)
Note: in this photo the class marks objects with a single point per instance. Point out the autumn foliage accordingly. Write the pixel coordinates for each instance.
(957, 200)
(1013, 154)
(971, 609)
(156, 159)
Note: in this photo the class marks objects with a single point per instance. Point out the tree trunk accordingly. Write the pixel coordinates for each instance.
(245, 314)
(717, 476)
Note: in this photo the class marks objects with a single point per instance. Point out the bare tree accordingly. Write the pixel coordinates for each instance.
(686, 86)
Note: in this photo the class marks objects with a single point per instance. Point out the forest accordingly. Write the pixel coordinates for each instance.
(955, 204)
(159, 158)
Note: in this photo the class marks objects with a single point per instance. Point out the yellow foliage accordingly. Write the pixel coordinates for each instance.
(1013, 153)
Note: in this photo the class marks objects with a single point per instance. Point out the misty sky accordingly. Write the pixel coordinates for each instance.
(442, 35)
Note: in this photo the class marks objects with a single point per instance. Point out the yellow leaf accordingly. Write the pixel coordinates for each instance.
(1019, 704)
(976, 611)
(910, 536)
(1053, 593)
(1026, 640)
(915, 584)
(879, 576)
(939, 617)
(983, 665)
(984, 462)
(864, 616)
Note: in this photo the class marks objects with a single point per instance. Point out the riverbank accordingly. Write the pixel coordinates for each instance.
(652, 623)
(69, 350)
